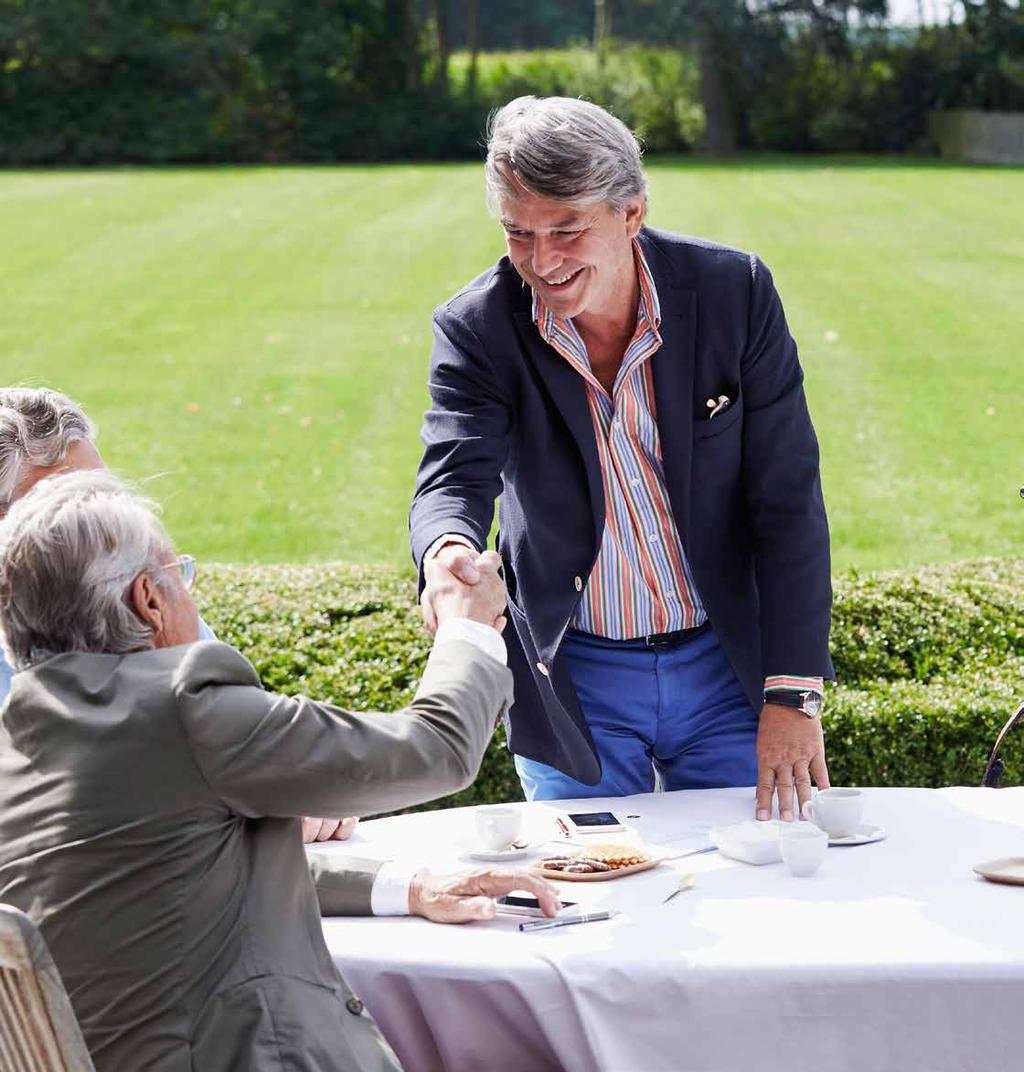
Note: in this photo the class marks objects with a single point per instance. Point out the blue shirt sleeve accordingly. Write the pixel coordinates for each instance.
(5, 678)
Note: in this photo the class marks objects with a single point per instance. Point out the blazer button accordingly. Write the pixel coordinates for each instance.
(354, 1005)
(543, 669)
(579, 584)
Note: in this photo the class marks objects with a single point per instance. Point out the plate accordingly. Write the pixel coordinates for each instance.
(866, 833)
(477, 852)
(1009, 870)
(597, 876)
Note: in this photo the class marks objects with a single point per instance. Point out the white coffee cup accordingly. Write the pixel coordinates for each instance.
(803, 847)
(497, 826)
(837, 811)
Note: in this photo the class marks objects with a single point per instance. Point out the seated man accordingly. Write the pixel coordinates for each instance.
(150, 795)
(43, 432)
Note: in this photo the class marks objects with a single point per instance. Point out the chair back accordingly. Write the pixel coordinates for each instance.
(995, 767)
(38, 1029)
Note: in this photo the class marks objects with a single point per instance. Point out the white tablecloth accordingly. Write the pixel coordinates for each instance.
(894, 956)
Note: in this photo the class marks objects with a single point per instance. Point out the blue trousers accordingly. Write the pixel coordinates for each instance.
(678, 709)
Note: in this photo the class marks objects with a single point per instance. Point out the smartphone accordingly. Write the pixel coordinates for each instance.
(593, 822)
(521, 905)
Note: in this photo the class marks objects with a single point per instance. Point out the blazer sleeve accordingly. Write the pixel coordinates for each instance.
(465, 441)
(264, 754)
(344, 884)
(782, 487)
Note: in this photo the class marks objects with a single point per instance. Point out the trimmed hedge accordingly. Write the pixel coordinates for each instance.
(930, 662)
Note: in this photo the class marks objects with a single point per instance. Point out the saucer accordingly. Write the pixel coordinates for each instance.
(476, 851)
(865, 834)
(1009, 870)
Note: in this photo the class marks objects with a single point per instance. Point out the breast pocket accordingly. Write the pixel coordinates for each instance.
(724, 421)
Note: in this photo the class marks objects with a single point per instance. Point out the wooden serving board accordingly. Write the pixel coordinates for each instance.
(597, 876)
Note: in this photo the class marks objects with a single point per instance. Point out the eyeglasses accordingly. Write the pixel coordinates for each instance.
(186, 566)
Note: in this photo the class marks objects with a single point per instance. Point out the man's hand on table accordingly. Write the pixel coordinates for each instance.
(790, 750)
(329, 829)
(459, 583)
(470, 895)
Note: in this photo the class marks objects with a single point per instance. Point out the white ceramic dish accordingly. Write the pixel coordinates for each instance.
(751, 841)
(865, 834)
(475, 851)
(1009, 870)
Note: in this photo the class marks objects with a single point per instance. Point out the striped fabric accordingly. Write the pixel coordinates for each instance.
(641, 582)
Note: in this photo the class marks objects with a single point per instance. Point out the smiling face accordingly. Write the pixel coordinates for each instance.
(578, 258)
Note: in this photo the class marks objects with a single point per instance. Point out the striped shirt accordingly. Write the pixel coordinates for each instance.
(641, 582)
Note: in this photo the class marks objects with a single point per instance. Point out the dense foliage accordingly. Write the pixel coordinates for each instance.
(100, 81)
(930, 663)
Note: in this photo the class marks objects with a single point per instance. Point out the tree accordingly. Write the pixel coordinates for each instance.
(735, 41)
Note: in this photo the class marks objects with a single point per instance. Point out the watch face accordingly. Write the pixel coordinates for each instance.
(812, 706)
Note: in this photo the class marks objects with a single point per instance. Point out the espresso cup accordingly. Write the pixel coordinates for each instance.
(837, 811)
(497, 826)
(803, 847)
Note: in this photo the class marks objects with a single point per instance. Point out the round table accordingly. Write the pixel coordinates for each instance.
(895, 955)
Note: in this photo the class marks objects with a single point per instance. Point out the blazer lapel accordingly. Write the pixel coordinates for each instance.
(672, 366)
(567, 389)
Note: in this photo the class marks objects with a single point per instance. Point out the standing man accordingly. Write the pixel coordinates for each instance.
(636, 400)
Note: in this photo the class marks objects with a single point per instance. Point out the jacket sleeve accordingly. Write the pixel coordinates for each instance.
(265, 754)
(344, 884)
(782, 487)
(465, 441)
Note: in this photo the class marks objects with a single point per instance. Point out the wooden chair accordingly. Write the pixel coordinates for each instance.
(38, 1029)
(994, 768)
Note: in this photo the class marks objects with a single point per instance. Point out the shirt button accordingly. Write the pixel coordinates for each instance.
(635, 482)
(543, 669)
(653, 537)
(354, 1006)
(578, 581)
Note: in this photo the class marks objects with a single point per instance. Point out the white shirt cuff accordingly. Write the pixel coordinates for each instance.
(481, 636)
(389, 895)
(448, 537)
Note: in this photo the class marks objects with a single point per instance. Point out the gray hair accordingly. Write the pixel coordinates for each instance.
(69, 552)
(37, 427)
(564, 149)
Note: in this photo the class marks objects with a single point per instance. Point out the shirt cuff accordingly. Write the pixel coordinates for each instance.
(389, 895)
(800, 684)
(484, 637)
(448, 537)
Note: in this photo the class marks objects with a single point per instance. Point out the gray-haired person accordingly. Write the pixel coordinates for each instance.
(150, 791)
(636, 399)
(42, 433)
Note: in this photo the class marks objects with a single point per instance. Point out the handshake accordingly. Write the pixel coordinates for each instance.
(459, 583)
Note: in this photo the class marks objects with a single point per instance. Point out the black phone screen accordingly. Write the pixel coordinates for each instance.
(595, 818)
(512, 901)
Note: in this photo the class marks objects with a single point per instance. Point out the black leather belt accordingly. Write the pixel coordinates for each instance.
(678, 636)
(658, 640)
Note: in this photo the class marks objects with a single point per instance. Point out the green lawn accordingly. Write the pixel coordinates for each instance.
(255, 341)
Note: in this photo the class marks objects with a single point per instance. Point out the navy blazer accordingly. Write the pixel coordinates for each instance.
(510, 417)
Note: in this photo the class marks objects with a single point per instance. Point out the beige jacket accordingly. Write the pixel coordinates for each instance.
(148, 824)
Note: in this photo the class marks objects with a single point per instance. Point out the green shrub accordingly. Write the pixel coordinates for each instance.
(931, 622)
(652, 90)
(931, 662)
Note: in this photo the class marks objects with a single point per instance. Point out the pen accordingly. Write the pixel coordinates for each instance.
(568, 921)
(562, 827)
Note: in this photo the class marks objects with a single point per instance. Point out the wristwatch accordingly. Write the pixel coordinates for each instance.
(809, 703)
